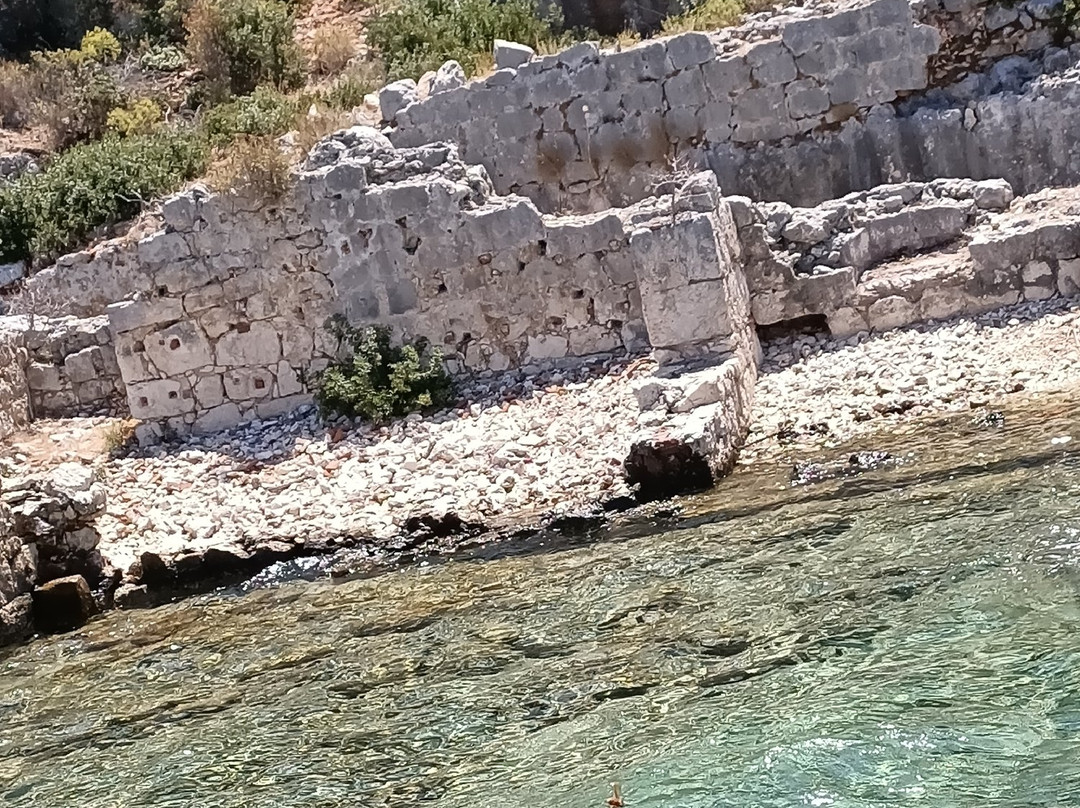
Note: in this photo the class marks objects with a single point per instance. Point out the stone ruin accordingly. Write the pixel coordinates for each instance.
(853, 165)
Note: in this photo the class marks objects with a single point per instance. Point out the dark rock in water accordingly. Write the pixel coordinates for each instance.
(724, 646)
(63, 604)
(663, 469)
(132, 596)
(857, 463)
(430, 526)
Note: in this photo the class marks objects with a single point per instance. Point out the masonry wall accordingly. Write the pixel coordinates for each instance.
(72, 369)
(234, 320)
(14, 410)
(585, 130)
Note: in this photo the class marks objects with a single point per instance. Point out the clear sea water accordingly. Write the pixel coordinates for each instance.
(905, 637)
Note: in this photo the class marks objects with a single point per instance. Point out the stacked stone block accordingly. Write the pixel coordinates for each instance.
(414, 239)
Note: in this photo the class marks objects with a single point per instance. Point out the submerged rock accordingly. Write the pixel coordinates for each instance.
(857, 463)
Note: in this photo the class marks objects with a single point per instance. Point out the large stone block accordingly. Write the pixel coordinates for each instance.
(178, 348)
(160, 398)
(248, 344)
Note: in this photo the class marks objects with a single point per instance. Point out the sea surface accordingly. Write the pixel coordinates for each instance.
(905, 636)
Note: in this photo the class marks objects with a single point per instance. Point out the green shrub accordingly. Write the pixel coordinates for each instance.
(163, 58)
(92, 185)
(140, 117)
(240, 44)
(265, 112)
(100, 45)
(419, 35)
(380, 380)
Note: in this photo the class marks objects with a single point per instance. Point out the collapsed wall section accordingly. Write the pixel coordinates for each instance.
(908, 253)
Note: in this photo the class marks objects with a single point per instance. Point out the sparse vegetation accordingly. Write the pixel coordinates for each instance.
(119, 436)
(415, 36)
(93, 185)
(710, 15)
(332, 48)
(378, 380)
(251, 166)
(240, 44)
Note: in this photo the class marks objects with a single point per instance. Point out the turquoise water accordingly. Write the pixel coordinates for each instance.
(907, 637)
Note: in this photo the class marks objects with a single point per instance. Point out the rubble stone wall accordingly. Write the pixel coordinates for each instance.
(909, 253)
(14, 409)
(72, 369)
(234, 319)
(585, 129)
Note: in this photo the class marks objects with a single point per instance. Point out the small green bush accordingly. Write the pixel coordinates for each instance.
(99, 45)
(240, 44)
(419, 35)
(92, 185)
(265, 112)
(163, 58)
(140, 117)
(380, 380)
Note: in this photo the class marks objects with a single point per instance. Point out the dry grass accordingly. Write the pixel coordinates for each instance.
(119, 436)
(331, 49)
(17, 91)
(251, 167)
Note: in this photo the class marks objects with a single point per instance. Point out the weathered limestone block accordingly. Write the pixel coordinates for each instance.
(160, 398)
(448, 77)
(395, 96)
(249, 344)
(178, 348)
(511, 54)
(695, 448)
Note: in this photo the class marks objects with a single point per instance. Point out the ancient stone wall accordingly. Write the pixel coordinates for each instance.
(585, 129)
(233, 321)
(14, 408)
(56, 368)
(909, 253)
(1022, 135)
(72, 368)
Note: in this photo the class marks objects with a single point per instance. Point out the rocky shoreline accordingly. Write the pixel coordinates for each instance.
(521, 452)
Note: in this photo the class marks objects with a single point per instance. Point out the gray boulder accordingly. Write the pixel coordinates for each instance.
(448, 77)
(511, 54)
(395, 96)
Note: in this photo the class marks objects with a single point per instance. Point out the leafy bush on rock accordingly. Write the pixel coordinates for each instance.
(240, 44)
(380, 380)
(419, 35)
(92, 185)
